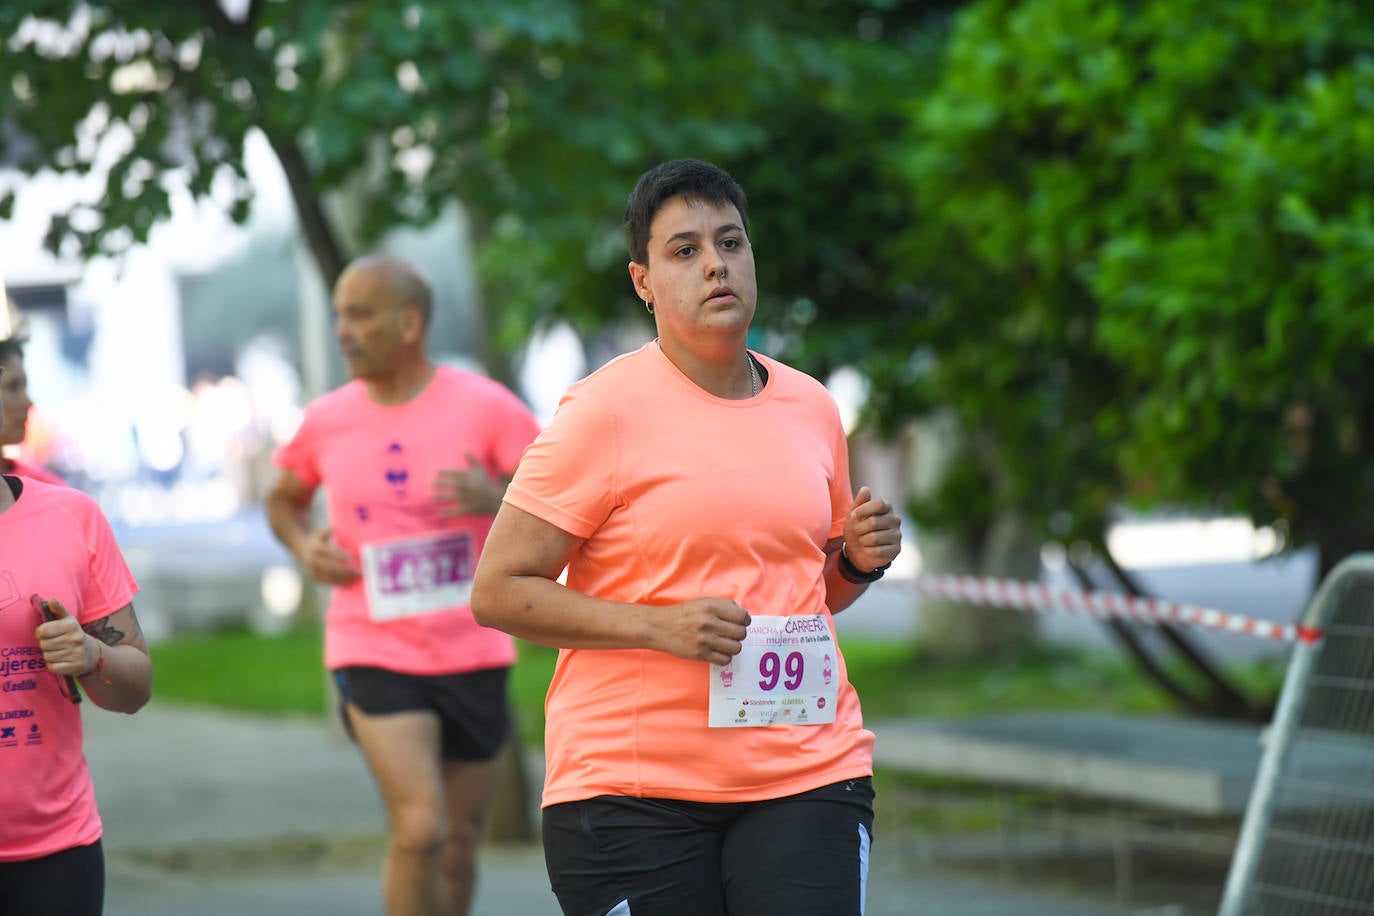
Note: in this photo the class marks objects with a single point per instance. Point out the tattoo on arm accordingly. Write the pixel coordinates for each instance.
(104, 631)
(136, 631)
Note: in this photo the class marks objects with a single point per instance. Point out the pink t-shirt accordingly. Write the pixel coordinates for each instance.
(681, 495)
(54, 542)
(377, 466)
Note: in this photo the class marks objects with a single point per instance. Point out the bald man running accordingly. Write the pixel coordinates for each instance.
(413, 459)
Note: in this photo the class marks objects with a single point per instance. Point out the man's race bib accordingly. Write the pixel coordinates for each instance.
(418, 575)
(786, 674)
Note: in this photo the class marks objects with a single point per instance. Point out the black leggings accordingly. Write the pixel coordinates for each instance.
(66, 883)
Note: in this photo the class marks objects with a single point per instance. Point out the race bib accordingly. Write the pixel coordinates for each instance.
(786, 674)
(418, 575)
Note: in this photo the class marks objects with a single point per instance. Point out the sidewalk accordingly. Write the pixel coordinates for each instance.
(220, 814)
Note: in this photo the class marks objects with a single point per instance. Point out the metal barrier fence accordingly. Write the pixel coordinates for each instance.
(1307, 841)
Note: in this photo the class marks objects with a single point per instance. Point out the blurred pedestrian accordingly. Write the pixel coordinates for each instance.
(413, 459)
(67, 625)
(705, 749)
(14, 398)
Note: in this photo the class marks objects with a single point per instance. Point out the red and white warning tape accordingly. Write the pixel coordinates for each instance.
(1035, 597)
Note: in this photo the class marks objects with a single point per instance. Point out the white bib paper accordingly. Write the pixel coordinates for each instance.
(418, 575)
(786, 674)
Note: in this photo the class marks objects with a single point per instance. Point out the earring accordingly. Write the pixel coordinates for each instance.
(649, 307)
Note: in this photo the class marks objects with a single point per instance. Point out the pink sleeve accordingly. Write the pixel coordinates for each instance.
(514, 429)
(568, 475)
(299, 456)
(110, 585)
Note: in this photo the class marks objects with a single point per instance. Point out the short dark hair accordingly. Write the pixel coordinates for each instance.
(691, 179)
(11, 347)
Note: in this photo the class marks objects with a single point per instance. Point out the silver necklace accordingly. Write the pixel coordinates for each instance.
(753, 377)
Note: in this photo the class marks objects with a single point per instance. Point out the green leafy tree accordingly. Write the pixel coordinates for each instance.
(537, 115)
(798, 100)
(395, 97)
(1142, 268)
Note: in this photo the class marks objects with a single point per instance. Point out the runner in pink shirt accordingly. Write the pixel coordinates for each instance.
(67, 626)
(14, 393)
(706, 751)
(414, 459)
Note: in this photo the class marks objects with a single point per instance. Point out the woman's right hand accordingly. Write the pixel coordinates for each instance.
(704, 629)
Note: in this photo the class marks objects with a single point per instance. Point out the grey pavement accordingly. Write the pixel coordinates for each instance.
(1165, 763)
(187, 795)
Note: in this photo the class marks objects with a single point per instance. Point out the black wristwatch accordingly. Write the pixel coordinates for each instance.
(852, 573)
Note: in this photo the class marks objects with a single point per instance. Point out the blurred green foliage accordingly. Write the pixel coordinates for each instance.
(537, 114)
(1143, 261)
(244, 671)
(1126, 243)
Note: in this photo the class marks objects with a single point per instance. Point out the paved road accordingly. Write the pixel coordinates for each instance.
(512, 884)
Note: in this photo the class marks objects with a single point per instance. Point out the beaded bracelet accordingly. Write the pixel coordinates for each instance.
(99, 664)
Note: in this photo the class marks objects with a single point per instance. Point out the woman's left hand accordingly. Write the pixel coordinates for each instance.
(469, 490)
(66, 647)
(872, 532)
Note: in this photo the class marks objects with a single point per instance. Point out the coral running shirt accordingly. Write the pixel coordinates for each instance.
(680, 495)
(377, 464)
(54, 542)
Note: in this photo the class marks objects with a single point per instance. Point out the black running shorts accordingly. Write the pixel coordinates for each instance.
(473, 713)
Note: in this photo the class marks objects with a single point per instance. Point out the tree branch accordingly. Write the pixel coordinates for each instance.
(319, 235)
(220, 20)
(250, 21)
(1225, 698)
(1133, 645)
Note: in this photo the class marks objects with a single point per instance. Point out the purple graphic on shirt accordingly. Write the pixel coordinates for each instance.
(396, 473)
(9, 592)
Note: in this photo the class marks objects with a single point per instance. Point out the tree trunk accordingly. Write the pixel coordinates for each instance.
(1216, 696)
(498, 362)
(1007, 549)
(320, 235)
(510, 819)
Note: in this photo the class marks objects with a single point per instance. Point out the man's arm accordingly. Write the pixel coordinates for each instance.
(288, 508)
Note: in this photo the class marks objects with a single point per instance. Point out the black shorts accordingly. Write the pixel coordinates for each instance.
(802, 855)
(66, 883)
(474, 717)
